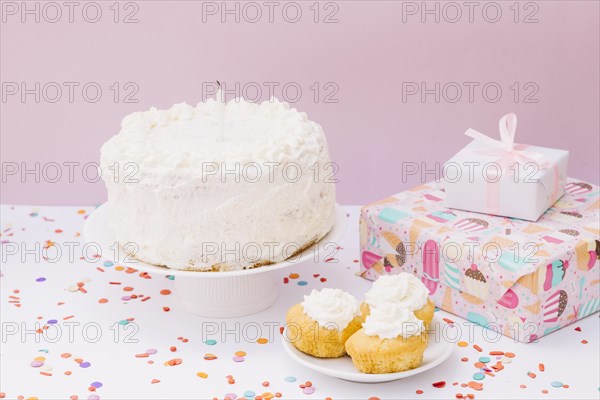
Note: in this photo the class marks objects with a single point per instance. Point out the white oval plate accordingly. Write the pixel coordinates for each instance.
(437, 351)
(97, 230)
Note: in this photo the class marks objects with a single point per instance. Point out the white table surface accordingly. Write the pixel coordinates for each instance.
(26, 302)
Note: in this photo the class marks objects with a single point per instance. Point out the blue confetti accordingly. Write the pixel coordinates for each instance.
(478, 376)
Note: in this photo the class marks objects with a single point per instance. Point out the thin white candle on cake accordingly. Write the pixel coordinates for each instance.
(220, 97)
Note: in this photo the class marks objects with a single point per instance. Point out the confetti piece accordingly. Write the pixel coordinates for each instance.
(238, 359)
(496, 353)
(478, 376)
(541, 367)
(202, 375)
(210, 356)
(475, 385)
(155, 381)
(531, 375)
(240, 353)
(302, 283)
(174, 361)
(211, 342)
(290, 379)
(294, 276)
(103, 301)
(308, 390)
(556, 384)
(40, 279)
(97, 385)
(249, 393)
(262, 341)
(85, 364)
(419, 392)
(476, 347)
(439, 384)
(462, 344)
(165, 292)
(509, 355)
(484, 359)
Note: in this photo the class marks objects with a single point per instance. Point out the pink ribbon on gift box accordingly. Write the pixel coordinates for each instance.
(508, 153)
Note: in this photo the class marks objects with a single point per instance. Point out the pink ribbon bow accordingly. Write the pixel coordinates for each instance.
(506, 149)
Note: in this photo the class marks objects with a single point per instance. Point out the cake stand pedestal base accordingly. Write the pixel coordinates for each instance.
(219, 294)
(224, 296)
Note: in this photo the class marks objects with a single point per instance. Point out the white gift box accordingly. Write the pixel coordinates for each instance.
(500, 177)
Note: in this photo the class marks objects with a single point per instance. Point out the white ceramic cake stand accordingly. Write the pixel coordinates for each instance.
(215, 294)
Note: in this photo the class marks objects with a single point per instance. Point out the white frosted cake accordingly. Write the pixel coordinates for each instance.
(191, 195)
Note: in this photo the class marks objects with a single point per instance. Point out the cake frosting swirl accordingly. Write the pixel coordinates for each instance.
(331, 308)
(188, 198)
(403, 289)
(389, 321)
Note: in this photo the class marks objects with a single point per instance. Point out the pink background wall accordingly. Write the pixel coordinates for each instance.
(372, 49)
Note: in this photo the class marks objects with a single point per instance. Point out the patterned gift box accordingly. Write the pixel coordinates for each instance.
(523, 279)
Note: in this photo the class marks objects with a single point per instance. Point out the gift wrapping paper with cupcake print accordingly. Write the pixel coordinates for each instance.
(523, 279)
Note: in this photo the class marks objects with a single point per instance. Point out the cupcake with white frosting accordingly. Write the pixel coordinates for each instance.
(404, 290)
(321, 324)
(392, 340)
